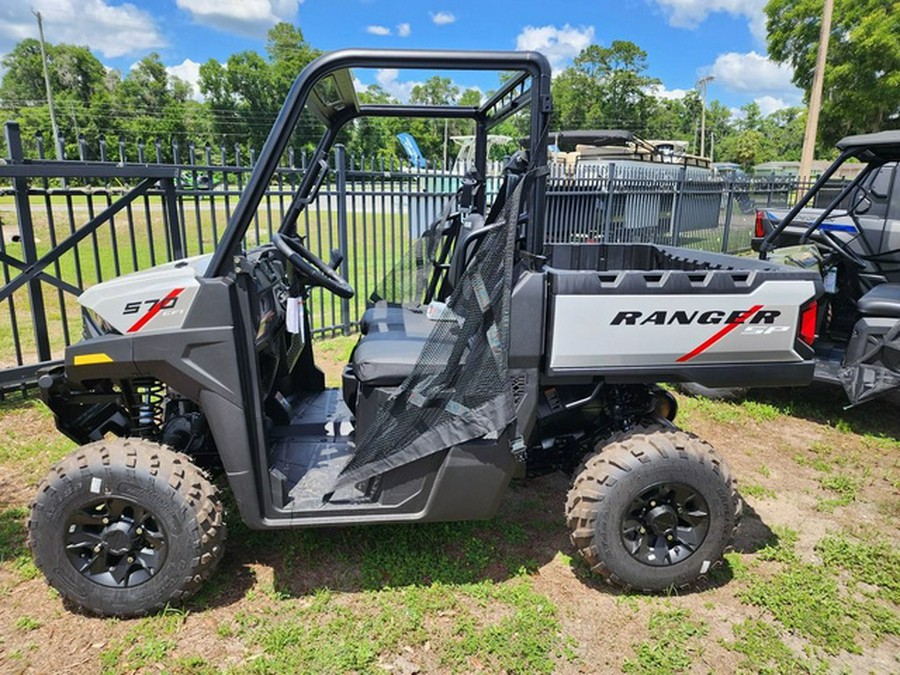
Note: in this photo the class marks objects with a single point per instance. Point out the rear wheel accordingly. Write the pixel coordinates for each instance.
(652, 509)
(125, 526)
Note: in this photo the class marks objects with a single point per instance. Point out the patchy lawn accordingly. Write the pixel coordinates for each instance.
(812, 586)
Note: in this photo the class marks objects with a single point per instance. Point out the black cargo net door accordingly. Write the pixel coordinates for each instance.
(868, 376)
(459, 388)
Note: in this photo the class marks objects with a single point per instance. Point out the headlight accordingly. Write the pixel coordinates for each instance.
(94, 325)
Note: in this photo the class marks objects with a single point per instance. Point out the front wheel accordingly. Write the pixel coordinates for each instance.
(652, 509)
(122, 527)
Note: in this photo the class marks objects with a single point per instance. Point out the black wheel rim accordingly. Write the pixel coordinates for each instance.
(115, 542)
(665, 524)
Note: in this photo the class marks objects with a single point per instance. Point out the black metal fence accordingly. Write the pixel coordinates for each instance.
(66, 225)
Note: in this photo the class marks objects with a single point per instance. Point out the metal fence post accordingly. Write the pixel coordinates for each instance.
(29, 250)
(676, 207)
(340, 162)
(170, 217)
(729, 211)
(610, 192)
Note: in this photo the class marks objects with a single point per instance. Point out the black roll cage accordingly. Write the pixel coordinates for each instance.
(530, 85)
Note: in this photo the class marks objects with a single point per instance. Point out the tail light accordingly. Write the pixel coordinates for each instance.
(808, 315)
(760, 231)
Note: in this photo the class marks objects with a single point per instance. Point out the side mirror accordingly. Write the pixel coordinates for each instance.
(862, 205)
(336, 258)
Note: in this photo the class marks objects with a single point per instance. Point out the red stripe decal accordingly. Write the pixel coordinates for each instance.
(699, 349)
(153, 311)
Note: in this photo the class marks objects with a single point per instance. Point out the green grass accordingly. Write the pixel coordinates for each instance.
(376, 242)
(728, 412)
(809, 600)
(756, 490)
(30, 442)
(487, 626)
(877, 564)
(782, 547)
(845, 486)
(146, 643)
(27, 623)
(14, 553)
(675, 640)
(766, 653)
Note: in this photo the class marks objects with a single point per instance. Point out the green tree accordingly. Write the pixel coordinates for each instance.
(750, 148)
(245, 94)
(429, 133)
(785, 129)
(605, 88)
(80, 85)
(619, 70)
(862, 78)
(752, 119)
(289, 53)
(74, 72)
(577, 101)
(372, 137)
(150, 105)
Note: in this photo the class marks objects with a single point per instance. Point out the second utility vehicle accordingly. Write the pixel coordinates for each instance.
(853, 241)
(486, 354)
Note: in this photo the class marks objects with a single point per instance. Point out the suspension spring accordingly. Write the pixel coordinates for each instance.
(147, 412)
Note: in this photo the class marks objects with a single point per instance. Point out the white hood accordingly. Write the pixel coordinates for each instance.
(155, 299)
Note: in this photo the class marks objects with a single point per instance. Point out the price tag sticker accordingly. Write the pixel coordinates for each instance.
(294, 318)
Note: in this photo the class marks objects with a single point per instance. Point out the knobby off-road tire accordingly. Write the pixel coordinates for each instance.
(122, 527)
(636, 508)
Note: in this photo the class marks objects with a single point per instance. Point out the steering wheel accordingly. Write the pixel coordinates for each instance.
(837, 247)
(311, 266)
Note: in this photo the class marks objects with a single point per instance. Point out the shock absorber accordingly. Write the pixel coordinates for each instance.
(147, 411)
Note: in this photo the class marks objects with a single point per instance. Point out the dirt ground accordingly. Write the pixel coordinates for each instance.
(812, 585)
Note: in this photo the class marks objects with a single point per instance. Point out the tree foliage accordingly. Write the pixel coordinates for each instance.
(861, 91)
(605, 87)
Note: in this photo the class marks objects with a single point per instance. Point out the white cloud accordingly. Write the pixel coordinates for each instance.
(752, 73)
(559, 45)
(659, 91)
(189, 71)
(769, 104)
(112, 31)
(244, 17)
(404, 29)
(389, 79)
(691, 13)
(442, 18)
(378, 30)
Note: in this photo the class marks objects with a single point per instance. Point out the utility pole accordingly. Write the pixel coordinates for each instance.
(701, 86)
(47, 84)
(815, 95)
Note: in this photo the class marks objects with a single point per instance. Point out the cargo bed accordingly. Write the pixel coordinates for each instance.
(642, 312)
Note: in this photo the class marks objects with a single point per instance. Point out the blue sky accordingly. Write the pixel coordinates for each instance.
(684, 39)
